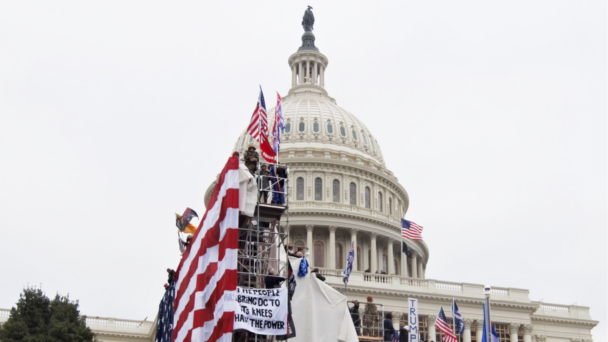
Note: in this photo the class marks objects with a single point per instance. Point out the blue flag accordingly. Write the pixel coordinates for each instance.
(349, 263)
(164, 326)
(486, 321)
(458, 321)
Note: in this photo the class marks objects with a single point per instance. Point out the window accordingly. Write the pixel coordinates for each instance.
(315, 126)
(353, 194)
(369, 259)
(380, 202)
(300, 189)
(390, 206)
(336, 191)
(330, 128)
(318, 189)
(339, 256)
(354, 135)
(342, 131)
(364, 139)
(367, 194)
(359, 259)
(299, 243)
(319, 254)
(301, 126)
(371, 142)
(288, 127)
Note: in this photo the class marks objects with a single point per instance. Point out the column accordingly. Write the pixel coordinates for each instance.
(332, 248)
(293, 75)
(391, 259)
(513, 328)
(353, 239)
(420, 270)
(314, 72)
(404, 272)
(414, 264)
(300, 72)
(322, 76)
(479, 329)
(467, 330)
(307, 70)
(527, 332)
(309, 243)
(373, 267)
(287, 232)
(431, 324)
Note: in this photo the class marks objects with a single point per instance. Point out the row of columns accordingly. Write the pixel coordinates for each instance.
(307, 70)
(416, 265)
(468, 323)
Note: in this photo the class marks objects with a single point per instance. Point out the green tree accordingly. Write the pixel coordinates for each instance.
(39, 319)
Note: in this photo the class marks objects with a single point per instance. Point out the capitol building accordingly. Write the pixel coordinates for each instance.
(341, 192)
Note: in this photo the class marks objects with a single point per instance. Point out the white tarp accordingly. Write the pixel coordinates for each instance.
(261, 311)
(320, 313)
(248, 191)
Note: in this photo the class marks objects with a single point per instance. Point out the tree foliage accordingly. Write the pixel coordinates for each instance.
(39, 319)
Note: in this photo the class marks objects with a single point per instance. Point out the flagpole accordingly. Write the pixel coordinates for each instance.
(453, 317)
(487, 291)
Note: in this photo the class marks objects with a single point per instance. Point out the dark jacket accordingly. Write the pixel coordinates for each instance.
(403, 335)
(388, 330)
(354, 314)
(265, 180)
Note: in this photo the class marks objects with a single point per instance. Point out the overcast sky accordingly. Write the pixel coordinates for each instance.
(115, 115)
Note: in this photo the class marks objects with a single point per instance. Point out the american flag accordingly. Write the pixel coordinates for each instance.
(441, 323)
(410, 230)
(396, 335)
(164, 326)
(206, 276)
(279, 126)
(258, 126)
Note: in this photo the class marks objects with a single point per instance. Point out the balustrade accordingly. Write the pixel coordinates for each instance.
(555, 308)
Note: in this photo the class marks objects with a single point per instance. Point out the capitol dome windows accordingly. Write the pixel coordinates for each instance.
(336, 191)
(390, 206)
(288, 126)
(364, 139)
(330, 128)
(342, 130)
(379, 201)
(319, 254)
(300, 189)
(301, 126)
(353, 194)
(354, 134)
(367, 195)
(315, 126)
(318, 189)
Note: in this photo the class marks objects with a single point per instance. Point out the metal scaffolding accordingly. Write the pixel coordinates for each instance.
(261, 239)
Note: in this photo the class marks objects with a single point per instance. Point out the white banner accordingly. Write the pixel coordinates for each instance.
(412, 316)
(261, 311)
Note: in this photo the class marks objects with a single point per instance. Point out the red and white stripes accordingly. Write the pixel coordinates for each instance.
(206, 276)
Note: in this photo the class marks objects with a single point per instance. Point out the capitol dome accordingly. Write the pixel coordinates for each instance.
(340, 191)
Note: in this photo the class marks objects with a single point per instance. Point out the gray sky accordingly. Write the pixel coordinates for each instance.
(115, 115)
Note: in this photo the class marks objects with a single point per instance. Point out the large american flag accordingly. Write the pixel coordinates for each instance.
(279, 126)
(410, 230)
(206, 277)
(258, 126)
(441, 323)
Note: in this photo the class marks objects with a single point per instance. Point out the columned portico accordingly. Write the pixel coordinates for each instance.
(309, 243)
(391, 260)
(353, 239)
(332, 247)
(527, 329)
(467, 330)
(414, 262)
(479, 330)
(513, 329)
(431, 324)
(374, 253)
